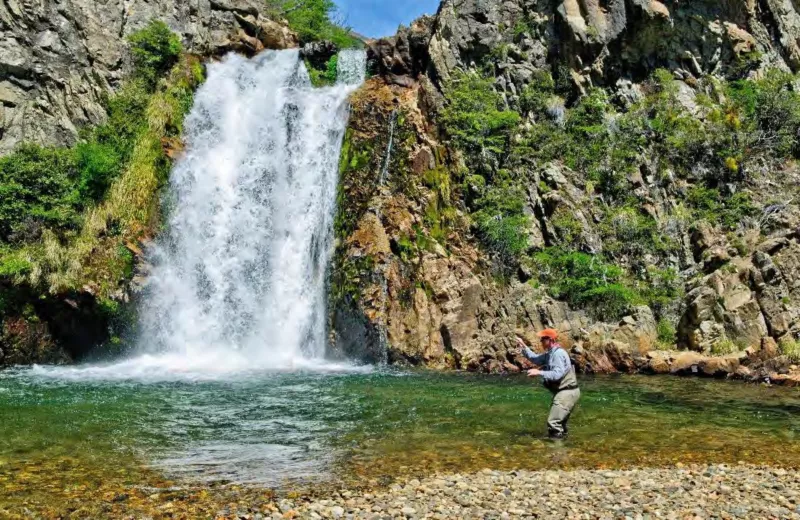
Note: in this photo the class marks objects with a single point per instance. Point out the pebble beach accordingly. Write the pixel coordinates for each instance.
(694, 492)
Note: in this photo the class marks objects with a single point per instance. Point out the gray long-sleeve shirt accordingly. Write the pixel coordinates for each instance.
(556, 362)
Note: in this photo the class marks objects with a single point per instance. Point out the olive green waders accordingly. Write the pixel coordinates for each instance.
(564, 402)
(565, 396)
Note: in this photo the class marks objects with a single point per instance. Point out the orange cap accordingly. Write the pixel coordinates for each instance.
(548, 333)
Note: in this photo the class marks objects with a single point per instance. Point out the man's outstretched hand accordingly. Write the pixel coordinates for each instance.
(534, 372)
(521, 346)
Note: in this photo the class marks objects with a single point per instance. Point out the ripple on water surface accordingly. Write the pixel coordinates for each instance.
(283, 428)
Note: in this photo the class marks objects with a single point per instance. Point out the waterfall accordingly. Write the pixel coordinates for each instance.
(239, 277)
(387, 160)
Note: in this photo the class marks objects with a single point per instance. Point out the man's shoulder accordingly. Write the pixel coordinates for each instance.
(560, 352)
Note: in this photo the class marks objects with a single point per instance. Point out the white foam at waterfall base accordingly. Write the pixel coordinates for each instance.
(238, 279)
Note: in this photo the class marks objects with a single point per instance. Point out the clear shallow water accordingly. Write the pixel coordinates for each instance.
(285, 430)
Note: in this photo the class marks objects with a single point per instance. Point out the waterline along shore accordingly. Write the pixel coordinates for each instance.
(738, 491)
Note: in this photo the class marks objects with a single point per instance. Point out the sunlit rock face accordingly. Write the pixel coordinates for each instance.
(406, 291)
(59, 60)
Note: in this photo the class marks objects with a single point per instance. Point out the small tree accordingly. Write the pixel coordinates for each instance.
(155, 50)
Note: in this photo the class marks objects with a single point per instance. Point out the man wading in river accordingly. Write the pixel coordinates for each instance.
(558, 376)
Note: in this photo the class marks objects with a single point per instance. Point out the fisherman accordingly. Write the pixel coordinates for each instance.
(558, 376)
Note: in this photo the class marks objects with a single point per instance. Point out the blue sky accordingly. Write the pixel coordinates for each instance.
(381, 17)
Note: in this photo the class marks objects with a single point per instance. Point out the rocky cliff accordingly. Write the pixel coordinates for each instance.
(659, 230)
(59, 60)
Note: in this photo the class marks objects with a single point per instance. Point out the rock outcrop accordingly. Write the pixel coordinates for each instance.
(59, 60)
(404, 294)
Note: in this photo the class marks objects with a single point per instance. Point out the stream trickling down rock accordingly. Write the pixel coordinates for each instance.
(228, 380)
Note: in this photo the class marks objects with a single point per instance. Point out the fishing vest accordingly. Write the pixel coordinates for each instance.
(568, 382)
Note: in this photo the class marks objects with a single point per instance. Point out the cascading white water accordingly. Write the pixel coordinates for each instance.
(239, 278)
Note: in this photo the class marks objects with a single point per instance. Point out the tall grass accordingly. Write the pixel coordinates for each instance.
(96, 258)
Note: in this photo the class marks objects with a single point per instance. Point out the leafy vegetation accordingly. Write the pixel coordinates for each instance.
(666, 333)
(586, 281)
(790, 347)
(476, 120)
(38, 189)
(314, 20)
(326, 76)
(155, 50)
(481, 128)
(71, 213)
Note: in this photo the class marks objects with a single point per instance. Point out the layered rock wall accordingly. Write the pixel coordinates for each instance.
(417, 294)
(60, 59)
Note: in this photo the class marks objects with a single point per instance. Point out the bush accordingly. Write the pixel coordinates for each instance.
(314, 20)
(661, 288)
(586, 281)
(99, 164)
(667, 335)
(502, 226)
(37, 190)
(790, 348)
(475, 118)
(324, 77)
(711, 206)
(725, 346)
(772, 104)
(627, 231)
(155, 50)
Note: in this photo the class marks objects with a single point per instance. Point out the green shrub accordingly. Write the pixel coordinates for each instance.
(586, 281)
(660, 288)
(772, 104)
(725, 346)
(568, 228)
(37, 190)
(324, 77)
(790, 348)
(475, 118)
(628, 231)
(502, 225)
(155, 50)
(99, 164)
(710, 205)
(313, 20)
(667, 334)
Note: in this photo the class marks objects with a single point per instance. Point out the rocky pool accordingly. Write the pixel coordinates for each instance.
(66, 438)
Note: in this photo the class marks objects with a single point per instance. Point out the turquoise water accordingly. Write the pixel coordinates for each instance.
(289, 430)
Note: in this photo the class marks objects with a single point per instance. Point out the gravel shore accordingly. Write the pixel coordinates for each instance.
(695, 492)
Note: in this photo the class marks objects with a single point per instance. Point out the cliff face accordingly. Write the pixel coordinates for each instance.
(60, 59)
(416, 282)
